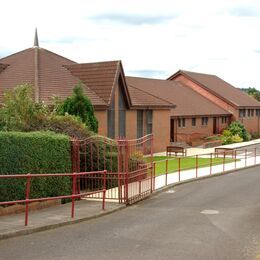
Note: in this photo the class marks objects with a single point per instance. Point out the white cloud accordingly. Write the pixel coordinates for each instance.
(152, 37)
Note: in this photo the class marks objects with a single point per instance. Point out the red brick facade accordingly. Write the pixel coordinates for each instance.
(250, 122)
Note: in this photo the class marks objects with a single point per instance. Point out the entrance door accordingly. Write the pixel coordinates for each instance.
(172, 131)
(214, 125)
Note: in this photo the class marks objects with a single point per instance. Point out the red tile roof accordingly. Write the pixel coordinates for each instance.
(187, 101)
(100, 77)
(3, 67)
(219, 88)
(45, 70)
(141, 98)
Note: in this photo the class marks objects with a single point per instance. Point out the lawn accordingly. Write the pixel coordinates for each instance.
(185, 163)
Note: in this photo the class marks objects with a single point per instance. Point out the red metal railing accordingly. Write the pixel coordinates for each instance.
(124, 160)
(227, 160)
(99, 177)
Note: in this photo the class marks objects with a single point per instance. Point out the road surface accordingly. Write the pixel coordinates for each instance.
(216, 218)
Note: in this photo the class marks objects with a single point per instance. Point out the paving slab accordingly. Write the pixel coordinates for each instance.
(52, 217)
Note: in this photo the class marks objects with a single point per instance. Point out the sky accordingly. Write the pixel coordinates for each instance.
(152, 38)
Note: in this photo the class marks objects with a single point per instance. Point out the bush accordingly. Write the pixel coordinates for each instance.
(21, 113)
(19, 110)
(235, 133)
(35, 152)
(68, 124)
(79, 105)
(237, 128)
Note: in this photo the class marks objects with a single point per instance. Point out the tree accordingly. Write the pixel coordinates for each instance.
(19, 111)
(254, 93)
(79, 105)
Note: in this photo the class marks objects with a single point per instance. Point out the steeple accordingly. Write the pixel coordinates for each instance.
(36, 42)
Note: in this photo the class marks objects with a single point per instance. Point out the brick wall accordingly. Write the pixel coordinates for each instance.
(131, 124)
(161, 129)
(189, 132)
(251, 123)
(205, 93)
(101, 116)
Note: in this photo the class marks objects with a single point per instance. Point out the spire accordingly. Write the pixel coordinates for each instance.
(36, 42)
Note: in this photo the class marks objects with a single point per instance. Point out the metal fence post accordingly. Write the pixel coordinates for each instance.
(74, 179)
(126, 146)
(153, 175)
(104, 190)
(210, 164)
(224, 161)
(179, 168)
(166, 173)
(196, 166)
(235, 159)
(27, 196)
(245, 156)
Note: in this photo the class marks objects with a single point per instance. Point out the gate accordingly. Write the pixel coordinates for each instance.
(128, 163)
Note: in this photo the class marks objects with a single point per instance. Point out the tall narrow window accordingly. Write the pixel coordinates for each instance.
(181, 122)
(257, 112)
(224, 119)
(248, 112)
(242, 112)
(193, 121)
(122, 114)
(149, 121)
(111, 119)
(140, 123)
(252, 112)
(204, 121)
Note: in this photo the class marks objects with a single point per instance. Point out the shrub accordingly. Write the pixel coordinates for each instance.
(35, 152)
(21, 113)
(68, 124)
(237, 128)
(19, 110)
(235, 133)
(79, 105)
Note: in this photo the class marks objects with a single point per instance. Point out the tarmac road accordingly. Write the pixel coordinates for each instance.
(216, 218)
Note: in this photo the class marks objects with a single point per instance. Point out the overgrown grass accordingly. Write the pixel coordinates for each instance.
(185, 163)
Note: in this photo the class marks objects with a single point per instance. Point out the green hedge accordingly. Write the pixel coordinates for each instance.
(34, 152)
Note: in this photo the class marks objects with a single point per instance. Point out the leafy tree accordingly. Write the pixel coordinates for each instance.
(254, 93)
(79, 105)
(19, 110)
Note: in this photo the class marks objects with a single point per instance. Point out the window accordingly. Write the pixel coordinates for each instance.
(111, 120)
(248, 113)
(181, 122)
(257, 112)
(242, 113)
(193, 121)
(140, 123)
(121, 114)
(149, 121)
(252, 112)
(224, 119)
(204, 121)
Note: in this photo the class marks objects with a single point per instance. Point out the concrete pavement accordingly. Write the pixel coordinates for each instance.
(52, 217)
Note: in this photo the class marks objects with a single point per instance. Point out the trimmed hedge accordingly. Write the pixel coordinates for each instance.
(34, 152)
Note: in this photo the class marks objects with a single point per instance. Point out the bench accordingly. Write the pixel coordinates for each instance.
(176, 150)
(224, 151)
